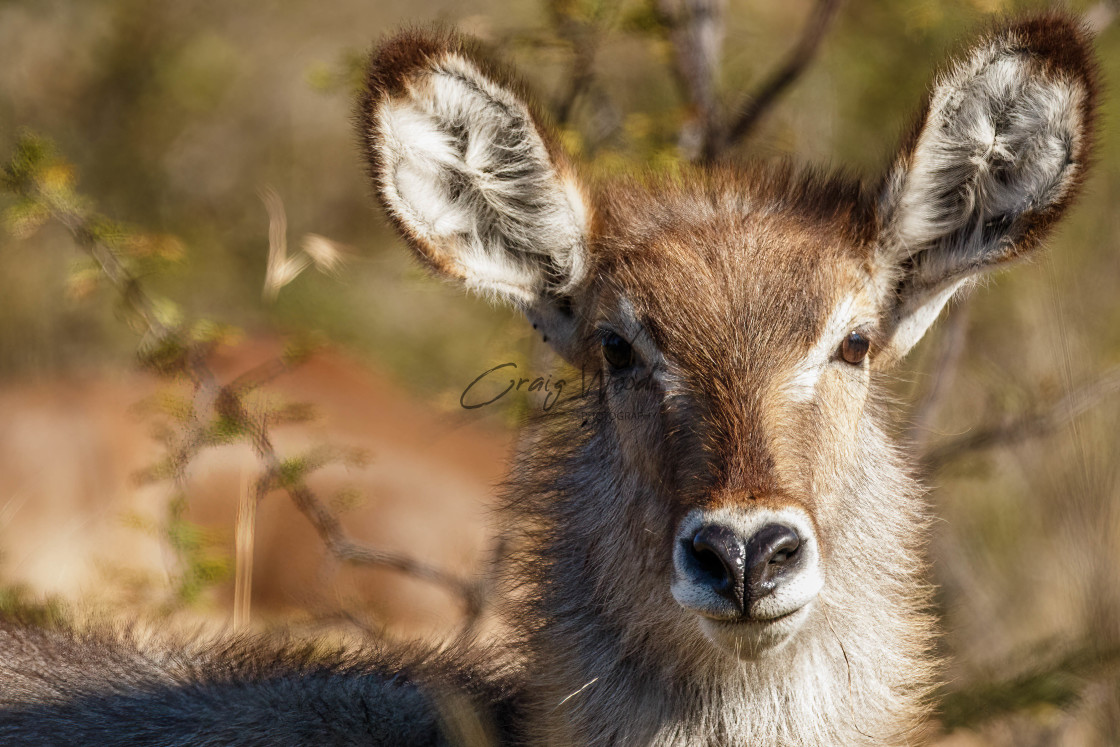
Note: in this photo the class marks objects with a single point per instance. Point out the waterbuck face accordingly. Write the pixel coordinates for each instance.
(740, 316)
(734, 313)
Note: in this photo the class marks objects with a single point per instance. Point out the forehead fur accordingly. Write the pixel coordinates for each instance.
(766, 248)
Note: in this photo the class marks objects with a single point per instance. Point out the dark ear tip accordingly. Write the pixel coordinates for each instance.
(391, 62)
(402, 55)
(390, 65)
(1062, 43)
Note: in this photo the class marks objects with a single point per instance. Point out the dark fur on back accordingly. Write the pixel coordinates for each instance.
(60, 687)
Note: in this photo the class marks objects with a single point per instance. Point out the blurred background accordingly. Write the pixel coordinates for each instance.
(229, 398)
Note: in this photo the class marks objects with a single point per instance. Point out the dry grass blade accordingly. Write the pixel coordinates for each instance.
(245, 540)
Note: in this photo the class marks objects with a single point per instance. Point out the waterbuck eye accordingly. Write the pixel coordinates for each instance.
(617, 351)
(854, 348)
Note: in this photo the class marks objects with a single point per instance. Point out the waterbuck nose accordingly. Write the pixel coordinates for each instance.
(769, 553)
(721, 555)
(741, 570)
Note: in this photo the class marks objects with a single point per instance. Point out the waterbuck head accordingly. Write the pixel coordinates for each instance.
(733, 483)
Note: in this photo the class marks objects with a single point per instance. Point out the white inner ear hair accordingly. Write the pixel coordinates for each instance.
(466, 170)
(998, 143)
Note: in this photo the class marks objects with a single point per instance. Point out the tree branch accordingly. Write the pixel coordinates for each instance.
(758, 104)
(696, 30)
(330, 529)
(212, 397)
(1013, 429)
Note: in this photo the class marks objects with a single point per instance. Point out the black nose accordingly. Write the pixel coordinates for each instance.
(743, 570)
(769, 554)
(720, 556)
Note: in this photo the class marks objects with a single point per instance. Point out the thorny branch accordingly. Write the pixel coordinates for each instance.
(327, 524)
(125, 284)
(226, 400)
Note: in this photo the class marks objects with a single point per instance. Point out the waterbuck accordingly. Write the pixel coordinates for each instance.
(722, 544)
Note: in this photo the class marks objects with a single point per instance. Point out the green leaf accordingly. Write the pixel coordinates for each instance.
(83, 281)
(207, 331)
(32, 154)
(25, 216)
(18, 605)
(166, 311)
(292, 471)
(165, 356)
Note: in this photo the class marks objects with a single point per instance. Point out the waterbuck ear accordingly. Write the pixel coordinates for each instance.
(472, 180)
(997, 155)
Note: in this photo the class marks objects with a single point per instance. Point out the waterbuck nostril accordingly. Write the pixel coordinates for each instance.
(767, 555)
(743, 569)
(719, 555)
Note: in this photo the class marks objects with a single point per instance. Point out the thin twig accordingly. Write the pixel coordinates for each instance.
(258, 376)
(758, 104)
(245, 537)
(328, 526)
(122, 280)
(1012, 429)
